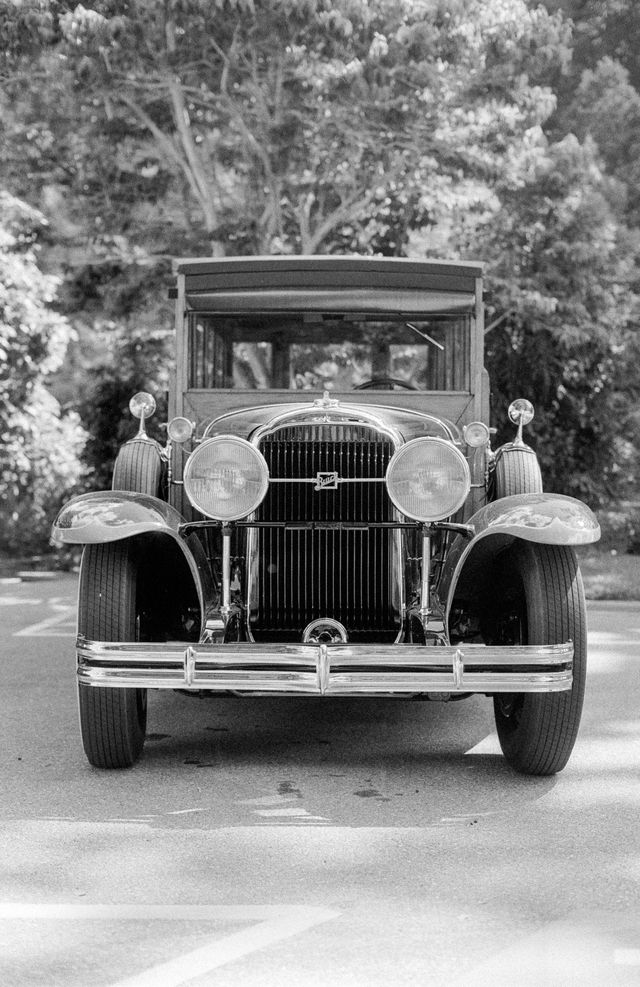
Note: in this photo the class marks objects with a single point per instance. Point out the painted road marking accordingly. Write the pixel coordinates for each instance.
(274, 923)
(267, 800)
(18, 601)
(279, 807)
(489, 745)
(62, 623)
(289, 813)
(611, 639)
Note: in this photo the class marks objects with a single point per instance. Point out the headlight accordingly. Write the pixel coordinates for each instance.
(180, 429)
(428, 479)
(226, 478)
(476, 434)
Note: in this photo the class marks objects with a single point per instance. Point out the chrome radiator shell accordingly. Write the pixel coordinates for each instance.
(325, 466)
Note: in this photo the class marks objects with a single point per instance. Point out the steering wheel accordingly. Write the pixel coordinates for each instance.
(385, 382)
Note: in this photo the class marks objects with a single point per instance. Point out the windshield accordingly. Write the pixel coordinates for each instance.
(333, 352)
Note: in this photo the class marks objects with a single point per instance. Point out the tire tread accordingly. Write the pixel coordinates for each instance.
(550, 721)
(517, 472)
(138, 468)
(110, 718)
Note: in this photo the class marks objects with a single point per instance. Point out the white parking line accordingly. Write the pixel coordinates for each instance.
(276, 807)
(61, 624)
(274, 923)
(488, 745)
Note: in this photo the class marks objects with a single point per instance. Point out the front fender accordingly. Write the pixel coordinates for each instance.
(97, 518)
(545, 518)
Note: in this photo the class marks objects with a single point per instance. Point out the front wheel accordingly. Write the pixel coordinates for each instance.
(537, 731)
(112, 720)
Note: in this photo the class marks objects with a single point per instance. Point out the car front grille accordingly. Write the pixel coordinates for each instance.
(302, 574)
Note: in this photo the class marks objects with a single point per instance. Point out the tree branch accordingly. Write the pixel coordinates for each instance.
(181, 119)
(343, 213)
(163, 140)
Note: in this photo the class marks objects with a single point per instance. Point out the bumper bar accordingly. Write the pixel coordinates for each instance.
(321, 669)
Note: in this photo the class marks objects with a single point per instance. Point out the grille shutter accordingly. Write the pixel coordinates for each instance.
(302, 575)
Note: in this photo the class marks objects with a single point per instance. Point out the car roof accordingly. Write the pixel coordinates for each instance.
(326, 262)
(212, 277)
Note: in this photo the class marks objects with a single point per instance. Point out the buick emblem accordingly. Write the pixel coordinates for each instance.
(326, 481)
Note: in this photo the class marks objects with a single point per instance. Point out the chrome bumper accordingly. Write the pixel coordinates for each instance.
(331, 670)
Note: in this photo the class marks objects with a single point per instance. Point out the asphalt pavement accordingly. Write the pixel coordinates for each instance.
(311, 841)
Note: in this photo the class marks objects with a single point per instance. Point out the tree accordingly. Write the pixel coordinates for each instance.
(603, 28)
(606, 107)
(299, 127)
(39, 454)
(284, 126)
(564, 297)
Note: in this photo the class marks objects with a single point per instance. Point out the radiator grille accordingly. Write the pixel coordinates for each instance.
(301, 574)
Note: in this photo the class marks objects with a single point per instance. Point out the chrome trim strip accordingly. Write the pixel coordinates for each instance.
(338, 479)
(326, 669)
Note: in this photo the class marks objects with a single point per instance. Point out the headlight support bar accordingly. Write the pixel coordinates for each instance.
(463, 529)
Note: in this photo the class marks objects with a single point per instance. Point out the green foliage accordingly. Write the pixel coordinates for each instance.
(39, 454)
(603, 28)
(136, 364)
(562, 276)
(298, 127)
(153, 129)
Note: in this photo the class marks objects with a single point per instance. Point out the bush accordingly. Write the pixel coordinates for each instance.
(39, 468)
(40, 447)
(620, 530)
(140, 363)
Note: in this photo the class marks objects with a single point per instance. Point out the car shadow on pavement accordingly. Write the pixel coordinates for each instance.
(372, 762)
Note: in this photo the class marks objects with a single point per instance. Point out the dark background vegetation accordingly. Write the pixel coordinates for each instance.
(135, 132)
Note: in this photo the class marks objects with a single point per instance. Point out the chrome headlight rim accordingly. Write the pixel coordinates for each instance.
(476, 434)
(180, 429)
(455, 504)
(260, 463)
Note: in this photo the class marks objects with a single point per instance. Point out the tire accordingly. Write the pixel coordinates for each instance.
(537, 731)
(112, 720)
(517, 472)
(138, 468)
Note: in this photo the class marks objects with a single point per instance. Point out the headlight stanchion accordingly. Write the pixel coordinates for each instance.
(225, 608)
(425, 588)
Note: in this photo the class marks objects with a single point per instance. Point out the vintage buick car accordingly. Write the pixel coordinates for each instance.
(327, 517)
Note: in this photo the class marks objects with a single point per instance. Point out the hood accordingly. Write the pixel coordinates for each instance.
(409, 423)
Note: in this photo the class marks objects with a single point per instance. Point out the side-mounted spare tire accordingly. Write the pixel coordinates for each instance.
(112, 720)
(139, 468)
(543, 604)
(517, 471)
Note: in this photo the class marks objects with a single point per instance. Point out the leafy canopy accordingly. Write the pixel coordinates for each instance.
(292, 126)
(39, 453)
